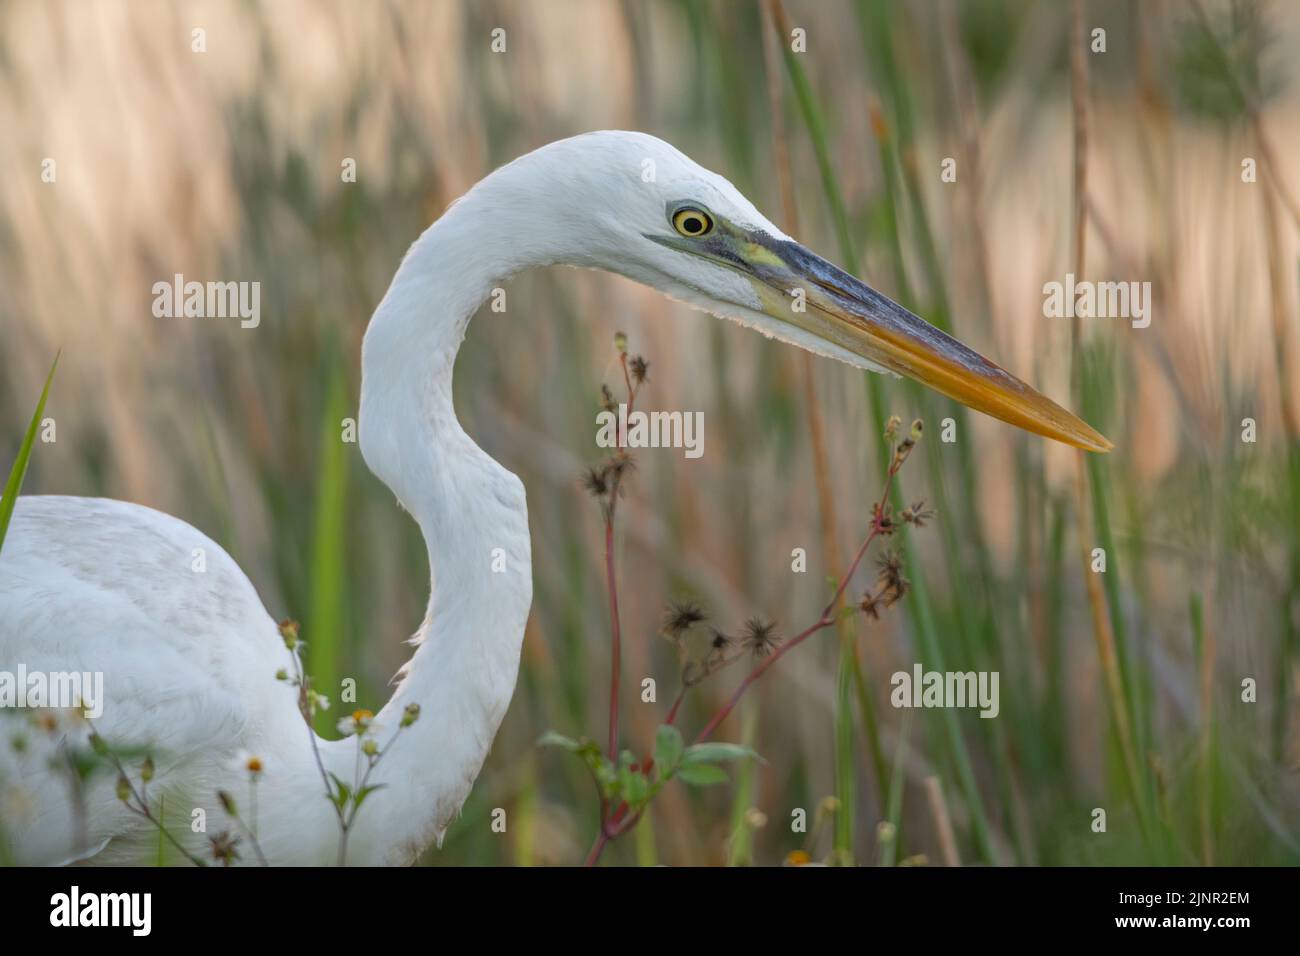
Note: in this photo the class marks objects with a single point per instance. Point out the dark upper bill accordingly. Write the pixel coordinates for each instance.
(849, 313)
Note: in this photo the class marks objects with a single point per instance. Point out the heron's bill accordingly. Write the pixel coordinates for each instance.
(801, 288)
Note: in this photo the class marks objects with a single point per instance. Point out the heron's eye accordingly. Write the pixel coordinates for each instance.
(692, 223)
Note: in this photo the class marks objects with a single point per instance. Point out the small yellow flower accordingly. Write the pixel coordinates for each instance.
(360, 721)
(250, 763)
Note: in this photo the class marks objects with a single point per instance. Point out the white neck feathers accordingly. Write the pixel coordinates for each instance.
(473, 515)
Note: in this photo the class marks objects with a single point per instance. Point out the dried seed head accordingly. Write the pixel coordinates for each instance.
(893, 584)
(619, 467)
(607, 399)
(918, 514)
(890, 564)
(681, 617)
(595, 481)
(870, 606)
(638, 366)
(882, 517)
(224, 847)
(760, 636)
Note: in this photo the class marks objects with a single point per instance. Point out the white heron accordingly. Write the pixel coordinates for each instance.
(190, 660)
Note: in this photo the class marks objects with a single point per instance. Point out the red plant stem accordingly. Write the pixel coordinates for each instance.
(616, 641)
(672, 712)
(611, 828)
(627, 380)
(597, 848)
(826, 620)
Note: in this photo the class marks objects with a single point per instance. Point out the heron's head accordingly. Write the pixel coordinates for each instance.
(632, 204)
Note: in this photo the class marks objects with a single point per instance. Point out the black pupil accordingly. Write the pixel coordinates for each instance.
(693, 224)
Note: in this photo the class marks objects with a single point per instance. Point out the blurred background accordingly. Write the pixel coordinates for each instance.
(225, 165)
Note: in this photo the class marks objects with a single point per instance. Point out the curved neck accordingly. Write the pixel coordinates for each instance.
(474, 520)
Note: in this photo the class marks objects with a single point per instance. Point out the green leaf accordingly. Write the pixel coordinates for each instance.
(701, 774)
(552, 739)
(342, 792)
(668, 750)
(716, 753)
(19, 469)
(607, 779)
(636, 788)
(367, 791)
(602, 771)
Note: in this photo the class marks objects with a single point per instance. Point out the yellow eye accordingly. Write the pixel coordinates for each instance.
(692, 223)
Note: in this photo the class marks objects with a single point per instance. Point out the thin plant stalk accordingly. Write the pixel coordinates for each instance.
(1101, 619)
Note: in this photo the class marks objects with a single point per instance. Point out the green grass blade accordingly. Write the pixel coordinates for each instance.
(328, 576)
(845, 764)
(19, 470)
(740, 851)
(894, 808)
(817, 133)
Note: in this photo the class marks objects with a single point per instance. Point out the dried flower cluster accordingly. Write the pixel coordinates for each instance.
(756, 638)
(627, 783)
(604, 481)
